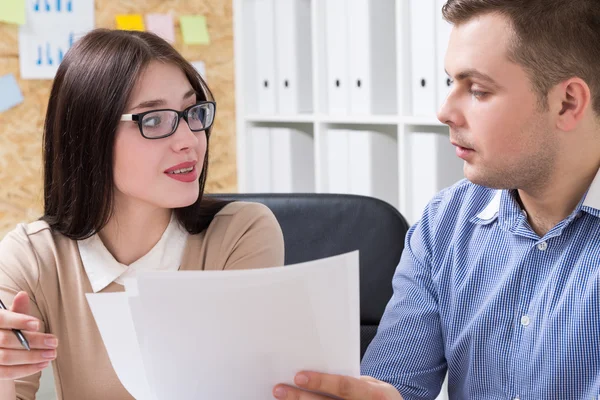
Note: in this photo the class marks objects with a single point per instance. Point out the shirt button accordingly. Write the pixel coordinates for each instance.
(515, 398)
(525, 320)
(542, 246)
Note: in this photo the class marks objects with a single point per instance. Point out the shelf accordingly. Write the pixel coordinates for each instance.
(346, 119)
(359, 119)
(299, 118)
(425, 121)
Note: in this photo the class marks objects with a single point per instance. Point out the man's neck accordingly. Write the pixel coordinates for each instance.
(133, 231)
(551, 203)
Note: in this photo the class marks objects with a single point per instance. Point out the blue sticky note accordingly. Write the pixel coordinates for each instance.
(10, 93)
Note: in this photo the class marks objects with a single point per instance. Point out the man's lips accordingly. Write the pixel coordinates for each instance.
(456, 144)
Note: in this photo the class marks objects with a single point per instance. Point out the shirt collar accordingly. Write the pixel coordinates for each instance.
(591, 203)
(592, 199)
(491, 210)
(102, 268)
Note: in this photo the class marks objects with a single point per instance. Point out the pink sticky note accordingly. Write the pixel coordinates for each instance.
(162, 25)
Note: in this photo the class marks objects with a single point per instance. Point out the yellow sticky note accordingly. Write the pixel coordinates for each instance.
(194, 29)
(12, 11)
(130, 22)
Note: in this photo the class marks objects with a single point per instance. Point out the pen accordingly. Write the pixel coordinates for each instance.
(17, 332)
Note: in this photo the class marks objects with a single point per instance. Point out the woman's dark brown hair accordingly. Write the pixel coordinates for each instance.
(90, 92)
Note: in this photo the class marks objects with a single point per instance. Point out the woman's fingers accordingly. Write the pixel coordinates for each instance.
(37, 340)
(13, 320)
(20, 303)
(16, 362)
(9, 357)
(21, 370)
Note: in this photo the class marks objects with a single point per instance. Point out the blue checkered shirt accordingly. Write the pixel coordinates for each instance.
(480, 295)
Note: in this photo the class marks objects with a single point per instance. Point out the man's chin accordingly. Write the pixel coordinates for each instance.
(482, 179)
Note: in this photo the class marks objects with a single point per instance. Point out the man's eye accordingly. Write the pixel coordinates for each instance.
(478, 94)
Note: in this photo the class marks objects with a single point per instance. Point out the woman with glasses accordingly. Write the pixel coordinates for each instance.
(125, 163)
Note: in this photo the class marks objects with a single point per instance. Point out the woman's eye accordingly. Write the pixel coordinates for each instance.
(152, 122)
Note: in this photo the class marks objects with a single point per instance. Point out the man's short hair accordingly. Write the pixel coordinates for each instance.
(553, 40)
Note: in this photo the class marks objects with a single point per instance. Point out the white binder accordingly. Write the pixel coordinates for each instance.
(292, 161)
(359, 57)
(371, 57)
(260, 159)
(265, 56)
(338, 179)
(338, 89)
(293, 56)
(432, 166)
(422, 38)
(443, 29)
(373, 158)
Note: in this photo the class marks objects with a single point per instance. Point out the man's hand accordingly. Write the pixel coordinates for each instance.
(336, 386)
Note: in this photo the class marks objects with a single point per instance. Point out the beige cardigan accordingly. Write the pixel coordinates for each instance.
(48, 266)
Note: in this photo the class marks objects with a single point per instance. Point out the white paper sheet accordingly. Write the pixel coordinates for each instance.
(112, 314)
(51, 27)
(232, 334)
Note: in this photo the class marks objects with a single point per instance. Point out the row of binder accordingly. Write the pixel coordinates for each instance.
(360, 76)
(281, 160)
(279, 32)
(360, 47)
(429, 35)
(362, 162)
(354, 162)
(432, 165)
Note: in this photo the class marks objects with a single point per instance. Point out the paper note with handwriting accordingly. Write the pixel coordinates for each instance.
(50, 29)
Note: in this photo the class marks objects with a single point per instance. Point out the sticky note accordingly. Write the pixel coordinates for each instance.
(194, 29)
(130, 22)
(12, 11)
(200, 67)
(10, 93)
(161, 25)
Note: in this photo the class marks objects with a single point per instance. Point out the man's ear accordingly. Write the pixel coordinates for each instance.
(572, 99)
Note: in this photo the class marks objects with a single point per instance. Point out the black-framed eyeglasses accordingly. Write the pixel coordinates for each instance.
(158, 124)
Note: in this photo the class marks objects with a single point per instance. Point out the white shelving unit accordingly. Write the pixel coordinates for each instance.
(362, 80)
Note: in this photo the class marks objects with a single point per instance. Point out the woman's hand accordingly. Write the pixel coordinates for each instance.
(336, 386)
(15, 361)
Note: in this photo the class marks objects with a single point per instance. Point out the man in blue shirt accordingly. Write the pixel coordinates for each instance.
(499, 283)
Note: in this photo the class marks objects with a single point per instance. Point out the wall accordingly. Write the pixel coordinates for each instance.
(21, 127)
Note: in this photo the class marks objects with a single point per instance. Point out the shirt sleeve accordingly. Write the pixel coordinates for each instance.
(19, 272)
(408, 350)
(256, 239)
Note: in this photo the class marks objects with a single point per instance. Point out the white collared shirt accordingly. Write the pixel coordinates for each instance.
(102, 268)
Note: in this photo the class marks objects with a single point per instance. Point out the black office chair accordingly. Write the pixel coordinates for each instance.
(323, 225)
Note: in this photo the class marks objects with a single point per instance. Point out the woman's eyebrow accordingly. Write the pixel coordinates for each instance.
(161, 102)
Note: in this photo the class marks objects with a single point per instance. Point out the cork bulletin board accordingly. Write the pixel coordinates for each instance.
(21, 127)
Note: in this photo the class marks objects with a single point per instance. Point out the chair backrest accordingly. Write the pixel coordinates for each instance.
(319, 225)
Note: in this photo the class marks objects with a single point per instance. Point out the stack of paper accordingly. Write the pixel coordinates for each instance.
(231, 334)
